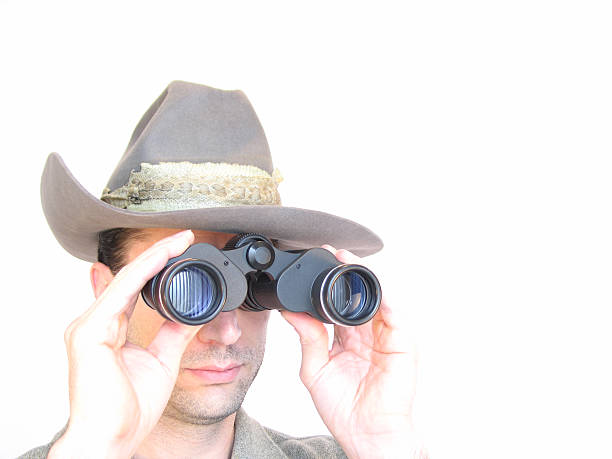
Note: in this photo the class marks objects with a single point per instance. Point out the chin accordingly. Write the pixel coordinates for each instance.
(207, 404)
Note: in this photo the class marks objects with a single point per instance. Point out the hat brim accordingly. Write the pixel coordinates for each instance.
(76, 217)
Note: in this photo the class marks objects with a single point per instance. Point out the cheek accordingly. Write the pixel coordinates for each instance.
(144, 324)
(253, 325)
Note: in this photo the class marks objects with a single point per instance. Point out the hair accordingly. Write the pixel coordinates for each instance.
(113, 245)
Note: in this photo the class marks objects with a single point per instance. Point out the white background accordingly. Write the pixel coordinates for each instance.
(473, 136)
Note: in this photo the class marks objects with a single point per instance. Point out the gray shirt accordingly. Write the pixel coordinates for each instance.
(252, 441)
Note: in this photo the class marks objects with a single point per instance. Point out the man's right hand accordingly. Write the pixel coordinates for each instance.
(118, 391)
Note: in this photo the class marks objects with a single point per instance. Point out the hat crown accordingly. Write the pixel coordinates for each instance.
(199, 124)
(214, 140)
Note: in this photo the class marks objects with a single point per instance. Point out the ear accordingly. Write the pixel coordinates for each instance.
(100, 276)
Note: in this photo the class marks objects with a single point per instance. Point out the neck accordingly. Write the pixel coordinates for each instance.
(174, 438)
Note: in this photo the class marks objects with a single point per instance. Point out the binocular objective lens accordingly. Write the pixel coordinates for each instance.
(349, 295)
(193, 293)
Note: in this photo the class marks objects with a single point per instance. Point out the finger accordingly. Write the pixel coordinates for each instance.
(314, 342)
(390, 332)
(129, 281)
(385, 312)
(102, 322)
(329, 248)
(170, 343)
(349, 257)
(338, 342)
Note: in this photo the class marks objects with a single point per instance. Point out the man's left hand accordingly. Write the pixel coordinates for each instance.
(363, 388)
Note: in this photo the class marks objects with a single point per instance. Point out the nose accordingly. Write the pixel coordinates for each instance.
(223, 329)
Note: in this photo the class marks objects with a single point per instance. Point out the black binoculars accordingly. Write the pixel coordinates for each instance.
(250, 273)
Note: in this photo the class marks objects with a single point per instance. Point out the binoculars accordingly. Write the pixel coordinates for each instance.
(250, 273)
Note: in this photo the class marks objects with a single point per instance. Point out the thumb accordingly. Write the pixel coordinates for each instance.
(314, 341)
(170, 343)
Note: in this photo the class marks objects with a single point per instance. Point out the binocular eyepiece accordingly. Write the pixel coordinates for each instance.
(250, 273)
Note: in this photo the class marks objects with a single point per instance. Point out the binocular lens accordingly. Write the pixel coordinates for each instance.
(192, 292)
(349, 295)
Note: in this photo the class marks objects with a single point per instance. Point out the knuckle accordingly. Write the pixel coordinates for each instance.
(77, 335)
(68, 334)
(70, 330)
(74, 338)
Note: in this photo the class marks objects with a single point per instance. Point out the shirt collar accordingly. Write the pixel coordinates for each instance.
(252, 441)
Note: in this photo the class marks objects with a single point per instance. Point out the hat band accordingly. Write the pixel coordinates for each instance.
(184, 185)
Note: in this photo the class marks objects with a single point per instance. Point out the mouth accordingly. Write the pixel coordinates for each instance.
(214, 374)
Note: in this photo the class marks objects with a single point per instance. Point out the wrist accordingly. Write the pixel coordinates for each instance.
(408, 446)
(391, 452)
(71, 445)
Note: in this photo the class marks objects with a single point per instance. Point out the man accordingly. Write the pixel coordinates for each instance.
(143, 386)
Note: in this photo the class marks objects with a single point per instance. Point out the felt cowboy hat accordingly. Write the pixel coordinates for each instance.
(197, 159)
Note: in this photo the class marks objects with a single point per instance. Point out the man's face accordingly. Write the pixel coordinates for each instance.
(234, 341)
